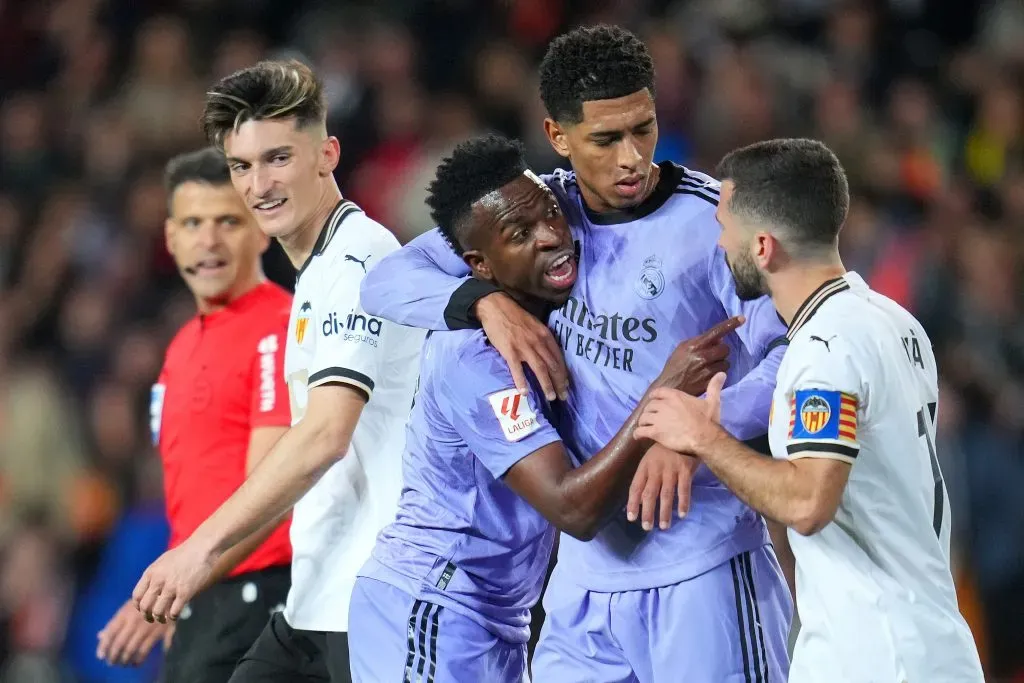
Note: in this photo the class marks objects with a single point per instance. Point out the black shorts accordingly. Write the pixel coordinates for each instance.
(283, 654)
(220, 625)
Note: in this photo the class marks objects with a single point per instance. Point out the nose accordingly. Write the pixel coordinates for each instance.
(261, 181)
(208, 235)
(629, 154)
(547, 236)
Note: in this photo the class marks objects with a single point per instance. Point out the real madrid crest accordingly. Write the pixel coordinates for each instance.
(651, 282)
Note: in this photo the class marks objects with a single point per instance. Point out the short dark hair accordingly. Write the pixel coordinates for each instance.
(267, 90)
(592, 63)
(795, 184)
(476, 167)
(207, 166)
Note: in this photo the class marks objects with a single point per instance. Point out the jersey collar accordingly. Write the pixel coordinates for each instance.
(339, 213)
(812, 303)
(668, 180)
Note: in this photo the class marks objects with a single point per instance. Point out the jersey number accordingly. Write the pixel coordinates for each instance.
(923, 420)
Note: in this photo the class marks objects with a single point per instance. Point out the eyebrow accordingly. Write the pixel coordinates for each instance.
(266, 154)
(613, 133)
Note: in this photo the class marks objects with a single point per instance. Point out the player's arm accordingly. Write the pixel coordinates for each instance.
(413, 285)
(746, 404)
(577, 500)
(803, 489)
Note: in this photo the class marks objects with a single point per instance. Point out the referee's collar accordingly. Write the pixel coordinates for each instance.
(338, 214)
(812, 303)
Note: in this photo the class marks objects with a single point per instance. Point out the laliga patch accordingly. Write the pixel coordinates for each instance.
(823, 414)
(516, 417)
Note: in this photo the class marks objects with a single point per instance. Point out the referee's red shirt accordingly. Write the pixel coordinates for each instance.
(223, 376)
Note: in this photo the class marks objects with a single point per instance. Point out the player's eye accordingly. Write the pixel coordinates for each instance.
(279, 158)
(554, 211)
(230, 221)
(191, 223)
(239, 167)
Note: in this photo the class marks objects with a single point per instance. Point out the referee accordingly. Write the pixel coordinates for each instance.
(219, 405)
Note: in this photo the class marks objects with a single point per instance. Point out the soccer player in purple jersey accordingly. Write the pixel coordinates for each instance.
(703, 600)
(447, 592)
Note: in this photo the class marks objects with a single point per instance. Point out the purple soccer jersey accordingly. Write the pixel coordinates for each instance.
(462, 539)
(648, 279)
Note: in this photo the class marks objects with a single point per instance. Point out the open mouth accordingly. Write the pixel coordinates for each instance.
(209, 267)
(269, 206)
(561, 273)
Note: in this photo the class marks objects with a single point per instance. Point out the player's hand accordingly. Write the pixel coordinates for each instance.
(128, 638)
(520, 338)
(681, 422)
(662, 476)
(696, 360)
(170, 582)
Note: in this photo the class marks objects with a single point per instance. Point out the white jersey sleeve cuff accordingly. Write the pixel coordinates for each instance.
(342, 376)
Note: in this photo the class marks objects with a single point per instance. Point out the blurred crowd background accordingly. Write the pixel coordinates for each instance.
(922, 100)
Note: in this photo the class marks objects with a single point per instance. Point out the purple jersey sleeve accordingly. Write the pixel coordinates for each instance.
(500, 425)
(416, 285)
(746, 404)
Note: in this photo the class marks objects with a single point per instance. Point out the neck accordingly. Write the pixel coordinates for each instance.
(242, 287)
(299, 243)
(791, 288)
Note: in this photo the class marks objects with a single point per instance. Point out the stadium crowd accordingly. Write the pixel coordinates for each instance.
(922, 100)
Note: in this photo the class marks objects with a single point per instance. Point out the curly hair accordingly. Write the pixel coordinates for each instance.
(592, 63)
(267, 90)
(476, 167)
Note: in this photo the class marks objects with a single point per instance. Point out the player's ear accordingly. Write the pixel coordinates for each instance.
(556, 136)
(479, 264)
(766, 248)
(330, 156)
(169, 235)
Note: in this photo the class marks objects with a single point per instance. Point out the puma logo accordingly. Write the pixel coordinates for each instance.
(361, 262)
(815, 337)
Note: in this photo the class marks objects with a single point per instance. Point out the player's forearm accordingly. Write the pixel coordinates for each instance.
(294, 465)
(746, 404)
(588, 495)
(237, 553)
(772, 487)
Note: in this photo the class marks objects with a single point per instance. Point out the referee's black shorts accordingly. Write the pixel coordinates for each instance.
(283, 654)
(220, 624)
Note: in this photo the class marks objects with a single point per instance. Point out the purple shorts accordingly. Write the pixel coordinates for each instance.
(728, 625)
(393, 636)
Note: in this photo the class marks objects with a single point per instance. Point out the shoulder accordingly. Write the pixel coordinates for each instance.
(842, 331)
(274, 305)
(692, 203)
(469, 349)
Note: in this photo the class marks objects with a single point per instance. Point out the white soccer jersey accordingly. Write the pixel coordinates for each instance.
(331, 339)
(874, 589)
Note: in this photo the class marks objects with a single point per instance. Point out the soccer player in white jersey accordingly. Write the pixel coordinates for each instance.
(852, 429)
(351, 378)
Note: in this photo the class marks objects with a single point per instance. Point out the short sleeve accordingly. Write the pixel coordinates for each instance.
(826, 399)
(268, 402)
(500, 425)
(350, 343)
